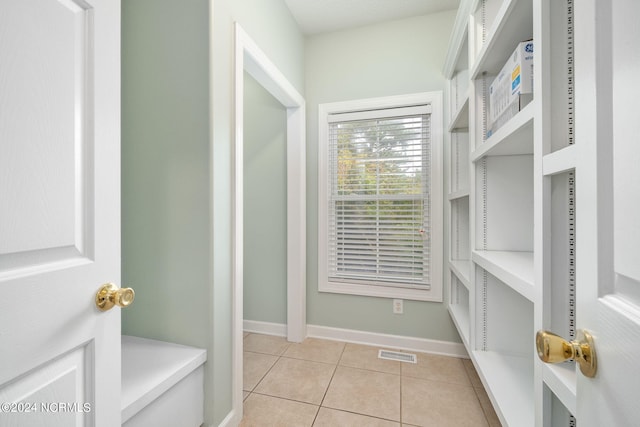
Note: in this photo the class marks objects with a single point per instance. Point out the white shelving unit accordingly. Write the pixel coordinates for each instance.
(511, 211)
(458, 283)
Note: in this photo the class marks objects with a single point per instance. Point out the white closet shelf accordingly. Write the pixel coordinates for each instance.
(460, 119)
(515, 137)
(458, 194)
(509, 384)
(561, 379)
(512, 25)
(560, 161)
(513, 268)
(462, 270)
(460, 316)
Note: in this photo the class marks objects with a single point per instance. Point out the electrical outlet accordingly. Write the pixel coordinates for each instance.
(397, 306)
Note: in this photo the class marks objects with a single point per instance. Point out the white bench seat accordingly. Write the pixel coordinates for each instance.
(162, 383)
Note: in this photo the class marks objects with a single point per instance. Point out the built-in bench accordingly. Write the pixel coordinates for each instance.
(162, 383)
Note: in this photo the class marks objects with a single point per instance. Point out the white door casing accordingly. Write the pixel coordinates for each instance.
(608, 198)
(59, 211)
(250, 58)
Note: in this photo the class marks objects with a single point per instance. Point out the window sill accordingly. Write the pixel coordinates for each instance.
(434, 294)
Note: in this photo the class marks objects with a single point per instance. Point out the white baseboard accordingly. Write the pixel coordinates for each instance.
(421, 345)
(266, 328)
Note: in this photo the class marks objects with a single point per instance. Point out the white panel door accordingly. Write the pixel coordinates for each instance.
(608, 199)
(59, 211)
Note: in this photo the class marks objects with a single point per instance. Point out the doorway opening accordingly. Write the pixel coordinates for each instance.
(265, 211)
(250, 58)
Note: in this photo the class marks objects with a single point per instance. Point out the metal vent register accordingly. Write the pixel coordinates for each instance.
(395, 355)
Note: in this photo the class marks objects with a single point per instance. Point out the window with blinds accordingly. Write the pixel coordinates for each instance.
(380, 197)
(378, 228)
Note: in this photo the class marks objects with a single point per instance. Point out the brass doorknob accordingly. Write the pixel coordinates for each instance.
(554, 349)
(109, 295)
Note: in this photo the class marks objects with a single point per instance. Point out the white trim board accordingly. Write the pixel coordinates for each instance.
(422, 345)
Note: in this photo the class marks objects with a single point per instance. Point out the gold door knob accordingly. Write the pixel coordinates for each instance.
(109, 295)
(554, 349)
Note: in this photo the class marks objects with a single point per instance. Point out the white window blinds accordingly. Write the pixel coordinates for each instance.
(378, 219)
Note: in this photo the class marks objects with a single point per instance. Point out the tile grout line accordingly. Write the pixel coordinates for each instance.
(475, 391)
(288, 399)
(337, 365)
(329, 385)
(360, 369)
(268, 370)
(484, 411)
(400, 394)
(401, 378)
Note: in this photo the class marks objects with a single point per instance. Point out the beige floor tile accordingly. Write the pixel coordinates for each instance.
(487, 407)
(333, 418)
(255, 366)
(472, 373)
(267, 411)
(316, 349)
(245, 334)
(365, 392)
(437, 368)
(300, 380)
(266, 344)
(366, 357)
(245, 394)
(431, 403)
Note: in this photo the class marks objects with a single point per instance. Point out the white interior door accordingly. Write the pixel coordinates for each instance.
(59, 211)
(608, 198)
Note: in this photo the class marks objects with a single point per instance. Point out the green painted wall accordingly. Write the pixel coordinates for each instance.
(165, 170)
(265, 205)
(393, 58)
(176, 168)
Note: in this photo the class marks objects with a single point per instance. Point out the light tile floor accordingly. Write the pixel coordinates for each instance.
(328, 383)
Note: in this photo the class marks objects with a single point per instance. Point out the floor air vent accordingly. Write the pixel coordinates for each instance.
(395, 355)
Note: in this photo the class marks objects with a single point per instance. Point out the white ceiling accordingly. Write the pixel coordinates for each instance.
(320, 16)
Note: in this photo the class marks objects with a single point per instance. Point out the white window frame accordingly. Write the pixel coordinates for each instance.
(435, 292)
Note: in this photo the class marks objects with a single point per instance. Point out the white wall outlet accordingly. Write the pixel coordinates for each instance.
(397, 306)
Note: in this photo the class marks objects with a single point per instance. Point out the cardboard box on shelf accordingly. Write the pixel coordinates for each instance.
(513, 86)
(514, 108)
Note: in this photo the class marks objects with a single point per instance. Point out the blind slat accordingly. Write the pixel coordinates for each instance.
(373, 114)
